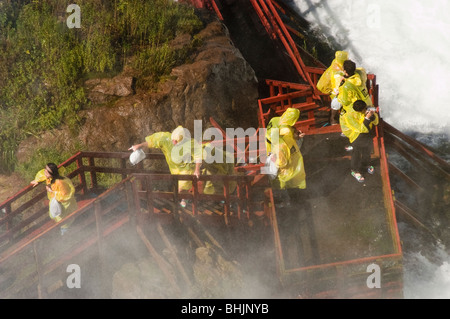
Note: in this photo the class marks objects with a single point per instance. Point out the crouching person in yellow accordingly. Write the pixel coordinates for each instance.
(60, 188)
(182, 158)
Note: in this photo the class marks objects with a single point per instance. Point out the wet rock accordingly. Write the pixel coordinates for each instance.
(101, 90)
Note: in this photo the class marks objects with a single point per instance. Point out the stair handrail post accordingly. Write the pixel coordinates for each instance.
(149, 190)
(195, 183)
(91, 161)
(82, 174)
(137, 200)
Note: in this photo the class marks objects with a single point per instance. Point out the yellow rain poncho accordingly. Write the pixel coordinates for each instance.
(217, 167)
(330, 80)
(284, 123)
(289, 160)
(352, 124)
(354, 89)
(64, 191)
(181, 160)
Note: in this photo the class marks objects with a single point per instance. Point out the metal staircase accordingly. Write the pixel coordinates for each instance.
(141, 199)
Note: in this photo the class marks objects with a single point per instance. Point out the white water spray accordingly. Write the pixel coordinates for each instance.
(406, 43)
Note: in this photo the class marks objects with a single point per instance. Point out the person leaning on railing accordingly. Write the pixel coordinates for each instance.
(59, 188)
(179, 162)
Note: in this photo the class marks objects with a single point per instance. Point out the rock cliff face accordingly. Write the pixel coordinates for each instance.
(219, 83)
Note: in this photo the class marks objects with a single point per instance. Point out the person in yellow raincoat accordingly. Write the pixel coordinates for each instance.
(285, 126)
(358, 124)
(289, 161)
(354, 87)
(60, 188)
(330, 81)
(182, 158)
(285, 153)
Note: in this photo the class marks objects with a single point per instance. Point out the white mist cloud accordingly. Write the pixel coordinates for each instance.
(406, 43)
(426, 279)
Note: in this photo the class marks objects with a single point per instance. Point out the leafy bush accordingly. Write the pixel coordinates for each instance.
(43, 63)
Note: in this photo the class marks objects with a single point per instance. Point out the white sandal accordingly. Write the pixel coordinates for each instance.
(358, 176)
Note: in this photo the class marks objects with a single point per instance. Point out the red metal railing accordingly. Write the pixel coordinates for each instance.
(428, 169)
(143, 195)
(277, 29)
(26, 212)
(285, 95)
(249, 151)
(41, 255)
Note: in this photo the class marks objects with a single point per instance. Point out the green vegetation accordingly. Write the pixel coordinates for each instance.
(43, 62)
(38, 161)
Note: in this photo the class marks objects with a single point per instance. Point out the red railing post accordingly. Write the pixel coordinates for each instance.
(195, 198)
(7, 211)
(226, 193)
(82, 175)
(137, 200)
(248, 198)
(41, 293)
(93, 173)
(123, 164)
(131, 202)
(150, 203)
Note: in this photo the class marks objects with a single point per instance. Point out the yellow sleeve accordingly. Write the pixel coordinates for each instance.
(40, 176)
(158, 140)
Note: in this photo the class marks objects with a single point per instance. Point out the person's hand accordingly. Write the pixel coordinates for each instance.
(134, 148)
(298, 134)
(34, 183)
(369, 114)
(49, 189)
